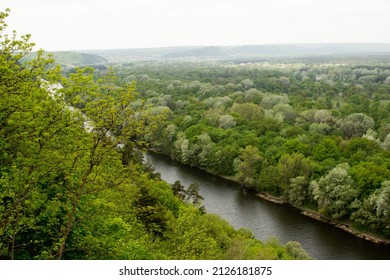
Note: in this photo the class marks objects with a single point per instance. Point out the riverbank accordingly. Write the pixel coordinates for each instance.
(303, 211)
(316, 216)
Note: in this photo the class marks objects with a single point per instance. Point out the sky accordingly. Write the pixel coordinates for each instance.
(118, 24)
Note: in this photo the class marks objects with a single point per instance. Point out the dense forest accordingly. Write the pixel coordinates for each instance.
(73, 184)
(314, 132)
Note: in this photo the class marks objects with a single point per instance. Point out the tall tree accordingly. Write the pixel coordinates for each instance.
(335, 192)
(248, 165)
(357, 124)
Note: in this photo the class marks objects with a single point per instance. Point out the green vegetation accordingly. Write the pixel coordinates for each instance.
(72, 181)
(314, 134)
(72, 59)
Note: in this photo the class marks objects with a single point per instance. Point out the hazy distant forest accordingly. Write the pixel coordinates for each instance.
(314, 132)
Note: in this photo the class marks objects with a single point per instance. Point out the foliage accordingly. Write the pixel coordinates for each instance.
(248, 165)
(335, 193)
(279, 126)
(374, 211)
(72, 181)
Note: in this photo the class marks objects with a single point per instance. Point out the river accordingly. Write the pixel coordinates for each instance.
(266, 219)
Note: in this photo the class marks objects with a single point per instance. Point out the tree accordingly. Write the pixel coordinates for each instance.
(386, 142)
(335, 192)
(297, 192)
(248, 165)
(178, 190)
(291, 166)
(162, 138)
(183, 148)
(286, 110)
(226, 121)
(327, 148)
(193, 194)
(295, 249)
(374, 212)
(247, 83)
(360, 144)
(249, 111)
(192, 237)
(357, 124)
(268, 181)
(113, 122)
(323, 116)
(380, 201)
(33, 127)
(204, 147)
(369, 176)
(321, 128)
(223, 159)
(295, 146)
(271, 100)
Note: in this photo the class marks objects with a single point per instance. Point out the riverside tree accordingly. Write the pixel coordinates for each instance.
(335, 192)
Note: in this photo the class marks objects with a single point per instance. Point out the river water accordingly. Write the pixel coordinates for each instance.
(266, 219)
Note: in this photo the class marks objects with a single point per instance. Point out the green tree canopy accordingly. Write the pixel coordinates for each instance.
(335, 192)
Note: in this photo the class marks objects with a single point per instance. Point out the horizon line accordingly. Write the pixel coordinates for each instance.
(211, 45)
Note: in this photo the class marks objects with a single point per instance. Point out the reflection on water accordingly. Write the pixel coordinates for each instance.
(266, 219)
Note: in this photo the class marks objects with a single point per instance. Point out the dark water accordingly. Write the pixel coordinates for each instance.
(266, 219)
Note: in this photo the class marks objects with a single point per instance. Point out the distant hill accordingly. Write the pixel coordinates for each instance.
(77, 58)
(245, 51)
(309, 49)
(201, 52)
(120, 55)
(72, 58)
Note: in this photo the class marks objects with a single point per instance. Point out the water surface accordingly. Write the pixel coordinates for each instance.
(266, 219)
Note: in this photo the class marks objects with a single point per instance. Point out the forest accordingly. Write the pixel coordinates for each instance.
(313, 132)
(73, 184)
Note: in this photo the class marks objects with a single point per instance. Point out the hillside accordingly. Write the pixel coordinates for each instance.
(78, 59)
(73, 58)
(309, 49)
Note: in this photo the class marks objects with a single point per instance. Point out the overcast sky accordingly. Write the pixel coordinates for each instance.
(102, 24)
